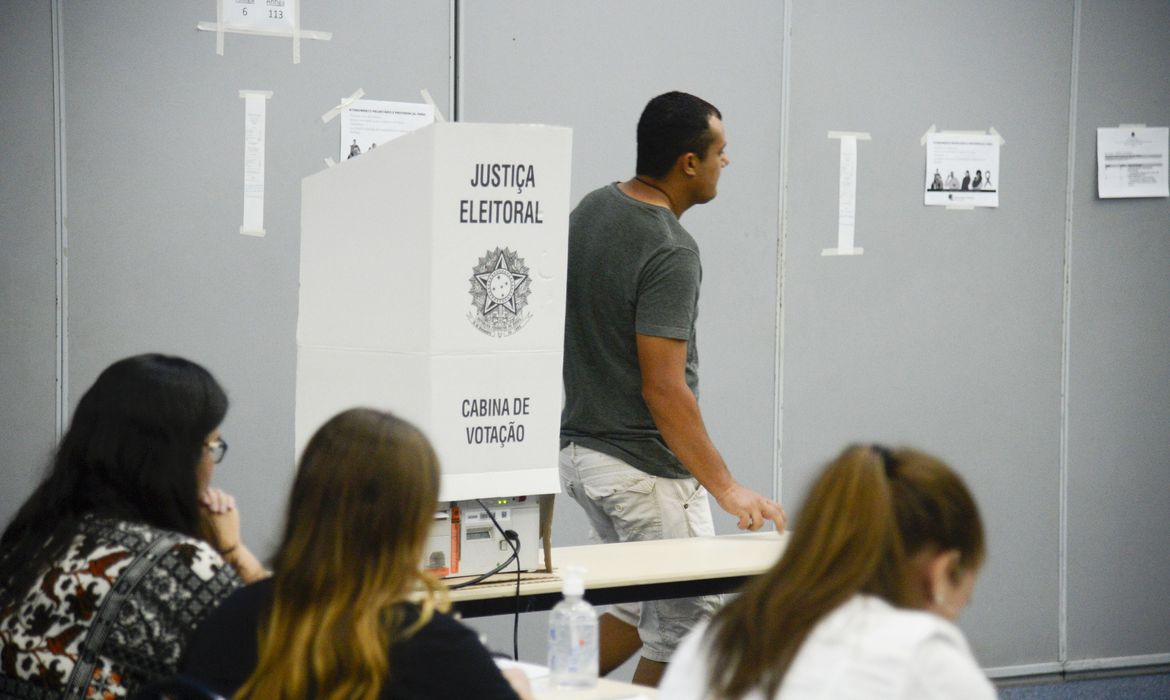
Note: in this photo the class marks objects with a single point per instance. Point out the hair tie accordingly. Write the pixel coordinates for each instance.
(888, 462)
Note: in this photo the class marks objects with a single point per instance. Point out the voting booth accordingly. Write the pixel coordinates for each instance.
(432, 284)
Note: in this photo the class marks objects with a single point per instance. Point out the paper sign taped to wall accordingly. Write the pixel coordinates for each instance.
(1132, 162)
(264, 15)
(367, 124)
(255, 109)
(962, 169)
(846, 192)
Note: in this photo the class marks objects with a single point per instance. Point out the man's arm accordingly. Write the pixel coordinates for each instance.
(676, 413)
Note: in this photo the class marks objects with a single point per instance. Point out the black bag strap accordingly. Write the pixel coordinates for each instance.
(107, 612)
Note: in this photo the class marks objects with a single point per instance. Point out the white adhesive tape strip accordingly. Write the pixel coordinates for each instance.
(329, 162)
(934, 130)
(855, 135)
(838, 251)
(305, 33)
(345, 104)
(218, 28)
(961, 207)
(296, 33)
(426, 95)
(925, 134)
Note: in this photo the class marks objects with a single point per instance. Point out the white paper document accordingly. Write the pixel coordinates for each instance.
(962, 170)
(367, 124)
(262, 15)
(846, 193)
(255, 108)
(1132, 162)
(533, 671)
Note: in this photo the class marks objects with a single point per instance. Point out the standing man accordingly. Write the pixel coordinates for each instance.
(635, 452)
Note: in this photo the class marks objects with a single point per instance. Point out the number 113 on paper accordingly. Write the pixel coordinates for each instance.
(269, 15)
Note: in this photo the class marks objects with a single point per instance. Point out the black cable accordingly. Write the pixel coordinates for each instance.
(481, 577)
(516, 612)
(509, 536)
(513, 539)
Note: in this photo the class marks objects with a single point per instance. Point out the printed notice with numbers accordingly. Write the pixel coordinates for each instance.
(277, 16)
(1132, 162)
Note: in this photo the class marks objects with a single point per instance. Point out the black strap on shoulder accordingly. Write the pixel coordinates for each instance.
(107, 613)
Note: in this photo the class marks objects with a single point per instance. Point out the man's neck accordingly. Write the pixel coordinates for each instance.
(658, 192)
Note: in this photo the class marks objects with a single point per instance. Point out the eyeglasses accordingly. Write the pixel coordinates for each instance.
(218, 449)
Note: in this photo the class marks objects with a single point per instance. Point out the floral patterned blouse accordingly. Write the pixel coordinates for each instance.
(41, 637)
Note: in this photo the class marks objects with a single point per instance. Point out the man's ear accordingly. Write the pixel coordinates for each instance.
(688, 163)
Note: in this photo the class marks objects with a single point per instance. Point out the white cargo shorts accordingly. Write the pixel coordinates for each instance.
(625, 504)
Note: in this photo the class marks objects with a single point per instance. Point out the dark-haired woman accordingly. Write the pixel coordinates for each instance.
(348, 613)
(862, 603)
(121, 549)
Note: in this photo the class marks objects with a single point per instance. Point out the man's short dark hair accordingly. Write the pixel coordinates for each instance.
(672, 124)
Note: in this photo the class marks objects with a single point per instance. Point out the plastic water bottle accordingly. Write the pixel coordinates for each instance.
(572, 636)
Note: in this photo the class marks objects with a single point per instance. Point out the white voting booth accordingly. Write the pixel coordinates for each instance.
(433, 285)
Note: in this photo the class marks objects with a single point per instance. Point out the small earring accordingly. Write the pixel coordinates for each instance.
(939, 599)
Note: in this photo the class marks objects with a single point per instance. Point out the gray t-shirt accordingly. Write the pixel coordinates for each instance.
(633, 269)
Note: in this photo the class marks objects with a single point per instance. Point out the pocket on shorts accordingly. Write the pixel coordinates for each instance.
(698, 514)
(628, 501)
(612, 485)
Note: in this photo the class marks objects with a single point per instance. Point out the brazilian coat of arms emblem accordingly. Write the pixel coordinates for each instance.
(500, 285)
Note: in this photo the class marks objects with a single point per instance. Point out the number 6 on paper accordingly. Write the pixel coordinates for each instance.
(273, 15)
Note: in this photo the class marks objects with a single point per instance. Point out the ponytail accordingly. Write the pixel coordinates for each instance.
(868, 512)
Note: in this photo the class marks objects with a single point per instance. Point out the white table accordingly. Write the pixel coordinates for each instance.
(631, 571)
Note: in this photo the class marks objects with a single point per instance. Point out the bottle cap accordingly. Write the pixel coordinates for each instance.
(574, 580)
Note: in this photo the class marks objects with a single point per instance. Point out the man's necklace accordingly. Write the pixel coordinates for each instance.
(664, 192)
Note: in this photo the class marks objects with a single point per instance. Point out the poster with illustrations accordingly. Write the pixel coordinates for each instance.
(962, 169)
(368, 124)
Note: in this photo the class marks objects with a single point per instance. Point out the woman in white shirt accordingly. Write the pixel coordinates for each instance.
(881, 561)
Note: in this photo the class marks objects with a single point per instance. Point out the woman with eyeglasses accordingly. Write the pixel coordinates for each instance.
(349, 614)
(862, 603)
(124, 545)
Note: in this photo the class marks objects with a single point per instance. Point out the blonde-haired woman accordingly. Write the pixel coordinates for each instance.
(336, 619)
(881, 561)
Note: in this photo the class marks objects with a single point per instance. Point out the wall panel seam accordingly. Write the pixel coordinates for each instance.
(1066, 303)
(782, 232)
(453, 67)
(61, 242)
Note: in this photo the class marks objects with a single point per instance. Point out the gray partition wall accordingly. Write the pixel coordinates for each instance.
(946, 333)
(155, 127)
(28, 250)
(1118, 373)
(1023, 344)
